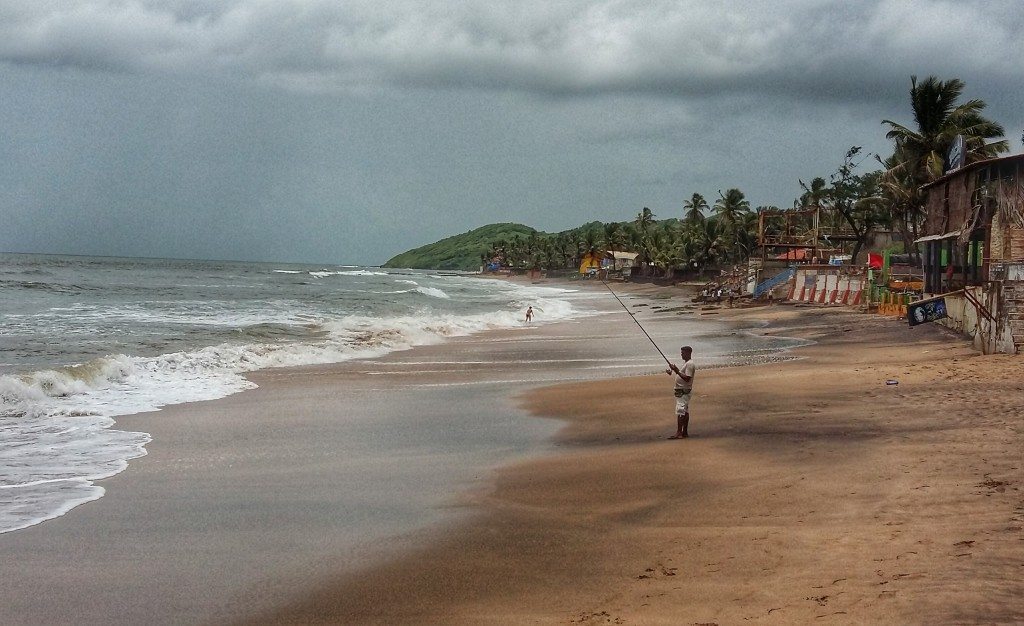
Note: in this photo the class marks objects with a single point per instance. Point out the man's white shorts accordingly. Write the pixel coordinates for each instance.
(683, 404)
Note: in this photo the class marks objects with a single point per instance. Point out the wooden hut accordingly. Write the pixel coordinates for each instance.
(973, 249)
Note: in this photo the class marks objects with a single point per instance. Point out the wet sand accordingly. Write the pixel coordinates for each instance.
(244, 503)
(811, 491)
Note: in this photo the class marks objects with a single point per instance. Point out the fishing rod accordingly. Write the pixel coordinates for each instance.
(633, 315)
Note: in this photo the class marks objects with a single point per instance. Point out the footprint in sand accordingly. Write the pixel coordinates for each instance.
(603, 617)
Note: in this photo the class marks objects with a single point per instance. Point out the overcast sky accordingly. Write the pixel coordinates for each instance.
(346, 132)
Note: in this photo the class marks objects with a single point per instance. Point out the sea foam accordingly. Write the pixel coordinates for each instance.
(55, 424)
(326, 273)
(433, 291)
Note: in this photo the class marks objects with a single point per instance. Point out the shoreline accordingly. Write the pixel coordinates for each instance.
(795, 500)
(74, 393)
(242, 501)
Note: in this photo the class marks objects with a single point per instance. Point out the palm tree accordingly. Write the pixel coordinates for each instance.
(688, 247)
(653, 244)
(515, 252)
(644, 220)
(919, 154)
(693, 209)
(814, 195)
(533, 243)
(939, 120)
(730, 206)
(559, 245)
(666, 251)
(709, 244)
(553, 258)
(818, 195)
(904, 197)
(574, 252)
(614, 237)
(592, 242)
(746, 235)
(729, 209)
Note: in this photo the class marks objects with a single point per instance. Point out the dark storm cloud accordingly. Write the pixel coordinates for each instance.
(308, 129)
(798, 48)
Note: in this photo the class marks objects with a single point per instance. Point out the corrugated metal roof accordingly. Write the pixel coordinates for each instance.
(972, 166)
(949, 235)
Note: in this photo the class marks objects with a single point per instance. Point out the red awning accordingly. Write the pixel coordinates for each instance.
(800, 254)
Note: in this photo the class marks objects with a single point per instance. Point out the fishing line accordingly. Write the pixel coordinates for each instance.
(633, 315)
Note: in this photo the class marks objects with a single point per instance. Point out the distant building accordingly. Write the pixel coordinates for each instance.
(973, 248)
(590, 263)
(619, 260)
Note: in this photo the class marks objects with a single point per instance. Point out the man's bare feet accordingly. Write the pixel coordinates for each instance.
(679, 436)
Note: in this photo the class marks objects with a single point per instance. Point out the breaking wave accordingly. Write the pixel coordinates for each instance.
(433, 291)
(55, 423)
(326, 273)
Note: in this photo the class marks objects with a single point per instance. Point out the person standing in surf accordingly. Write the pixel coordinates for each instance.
(683, 389)
(529, 314)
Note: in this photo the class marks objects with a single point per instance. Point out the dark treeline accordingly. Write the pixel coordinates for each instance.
(854, 200)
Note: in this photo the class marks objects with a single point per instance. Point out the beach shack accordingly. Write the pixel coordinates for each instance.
(590, 264)
(618, 260)
(972, 244)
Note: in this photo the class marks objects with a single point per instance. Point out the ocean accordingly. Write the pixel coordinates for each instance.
(86, 339)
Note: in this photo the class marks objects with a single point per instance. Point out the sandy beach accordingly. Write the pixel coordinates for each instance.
(810, 491)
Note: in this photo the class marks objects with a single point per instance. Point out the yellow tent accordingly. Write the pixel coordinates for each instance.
(590, 261)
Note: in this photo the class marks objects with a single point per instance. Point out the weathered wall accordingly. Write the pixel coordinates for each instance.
(958, 189)
(822, 284)
(989, 336)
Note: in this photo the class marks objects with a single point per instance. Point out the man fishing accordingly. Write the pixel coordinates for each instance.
(684, 377)
(683, 390)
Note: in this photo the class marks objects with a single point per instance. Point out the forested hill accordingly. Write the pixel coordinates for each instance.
(460, 252)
